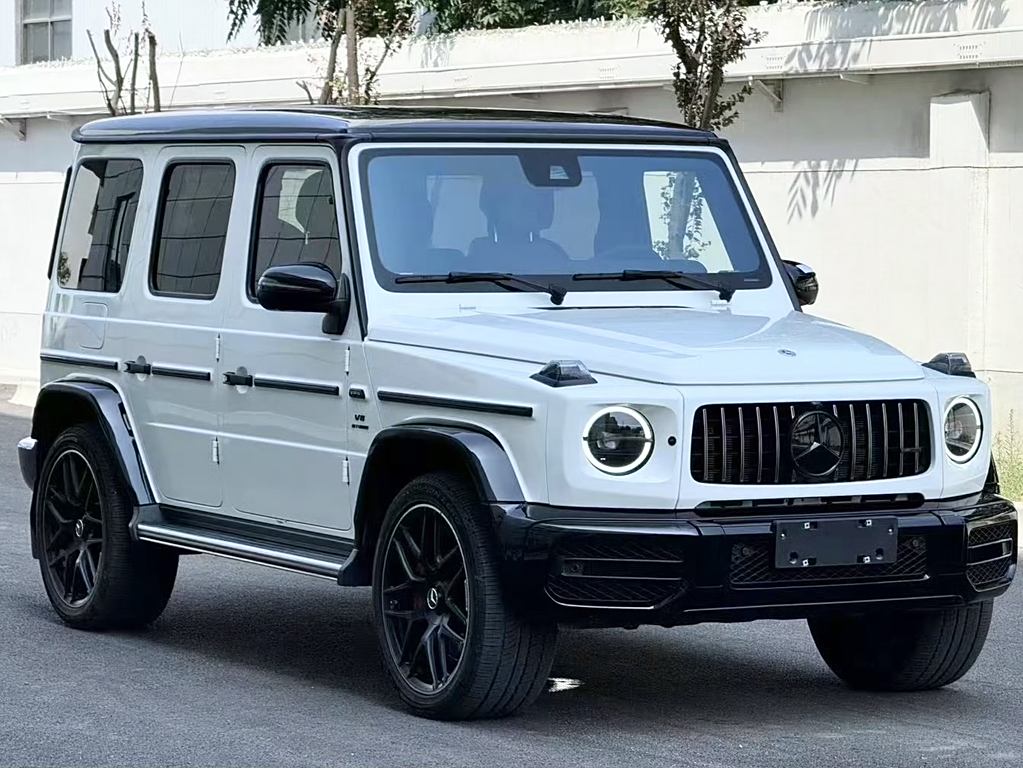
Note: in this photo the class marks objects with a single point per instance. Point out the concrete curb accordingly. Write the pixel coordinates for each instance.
(21, 392)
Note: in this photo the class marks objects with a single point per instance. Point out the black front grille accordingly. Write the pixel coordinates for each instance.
(985, 534)
(990, 553)
(753, 565)
(983, 574)
(627, 573)
(751, 444)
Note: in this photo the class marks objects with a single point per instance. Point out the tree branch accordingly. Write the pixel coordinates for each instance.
(118, 72)
(101, 74)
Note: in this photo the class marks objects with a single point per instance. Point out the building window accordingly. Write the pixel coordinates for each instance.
(297, 220)
(45, 30)
(98, 224)
(191, 229)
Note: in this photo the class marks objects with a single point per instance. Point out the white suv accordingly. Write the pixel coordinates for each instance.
(512, 370)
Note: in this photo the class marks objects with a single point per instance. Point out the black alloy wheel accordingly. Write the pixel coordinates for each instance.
(425, 599)
(72, 527)
(97, 576)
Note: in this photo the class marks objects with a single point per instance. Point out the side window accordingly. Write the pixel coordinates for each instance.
(297, 219)
(195, 207)
(98, 223)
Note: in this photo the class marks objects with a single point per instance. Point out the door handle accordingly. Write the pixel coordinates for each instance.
(132, 366)
(237, 379)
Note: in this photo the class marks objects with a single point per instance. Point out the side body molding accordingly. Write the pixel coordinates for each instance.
(62, 403)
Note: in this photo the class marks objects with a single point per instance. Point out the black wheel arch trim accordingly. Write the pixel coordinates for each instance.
(490, 471)
(104, 405)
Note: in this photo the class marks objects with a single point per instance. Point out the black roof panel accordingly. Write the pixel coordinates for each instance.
(321, 123)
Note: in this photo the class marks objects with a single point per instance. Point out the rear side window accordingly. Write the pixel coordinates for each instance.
(99, 219)
(191, 229)
(297, 220)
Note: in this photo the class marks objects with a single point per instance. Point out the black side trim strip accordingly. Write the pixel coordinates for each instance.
(180, 373)
(477, 406)
(298, 386)
(357, 393)
(85, 362)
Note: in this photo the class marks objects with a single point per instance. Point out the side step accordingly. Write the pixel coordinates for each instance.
(260, 543)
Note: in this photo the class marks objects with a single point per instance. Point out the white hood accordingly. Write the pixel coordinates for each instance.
(667, 345)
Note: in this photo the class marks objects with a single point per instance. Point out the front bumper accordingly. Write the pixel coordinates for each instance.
(624, 568)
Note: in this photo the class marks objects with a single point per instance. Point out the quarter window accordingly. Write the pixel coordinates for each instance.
(195, 208)
(98, 225)
(45, 30)
(297, 220)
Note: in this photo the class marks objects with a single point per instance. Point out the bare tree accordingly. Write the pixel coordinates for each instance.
(119, 97)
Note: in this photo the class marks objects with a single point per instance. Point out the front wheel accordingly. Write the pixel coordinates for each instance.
(903, 651)
(452, 646)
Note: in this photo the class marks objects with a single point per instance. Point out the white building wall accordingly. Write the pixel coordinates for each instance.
(899, 185)
(180, 25)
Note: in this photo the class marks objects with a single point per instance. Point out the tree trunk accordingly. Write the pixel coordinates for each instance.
(327, 93)
(154, 81)
(134, 73)
(352, 55)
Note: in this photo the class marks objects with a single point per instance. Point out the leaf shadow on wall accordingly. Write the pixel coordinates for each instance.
(842, 36)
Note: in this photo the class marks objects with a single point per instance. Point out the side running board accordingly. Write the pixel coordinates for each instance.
(260, 543)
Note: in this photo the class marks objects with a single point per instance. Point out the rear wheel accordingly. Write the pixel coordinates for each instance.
(450, 643)
(905, 651)
(95, 574)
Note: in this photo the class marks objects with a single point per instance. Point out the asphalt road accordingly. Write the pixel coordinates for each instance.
(250, 666)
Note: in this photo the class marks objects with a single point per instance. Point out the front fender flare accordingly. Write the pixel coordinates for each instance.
(63, 403)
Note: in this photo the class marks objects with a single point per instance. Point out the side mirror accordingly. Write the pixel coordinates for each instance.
(306, 288)
(804, 282)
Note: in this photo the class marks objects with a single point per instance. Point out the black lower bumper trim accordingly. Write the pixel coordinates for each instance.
(621, 568)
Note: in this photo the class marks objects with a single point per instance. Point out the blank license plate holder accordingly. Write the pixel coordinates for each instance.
(849, 541)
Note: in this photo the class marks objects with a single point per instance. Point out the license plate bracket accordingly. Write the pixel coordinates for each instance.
(849, 541)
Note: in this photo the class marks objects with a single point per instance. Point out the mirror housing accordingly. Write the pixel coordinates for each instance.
(804, 282)
(306, 288)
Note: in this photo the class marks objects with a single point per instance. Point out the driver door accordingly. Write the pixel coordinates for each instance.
(285, 451)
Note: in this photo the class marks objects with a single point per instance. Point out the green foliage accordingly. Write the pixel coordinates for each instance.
(374, 18)
(454, 15)
(706, 36)
(1008, 450)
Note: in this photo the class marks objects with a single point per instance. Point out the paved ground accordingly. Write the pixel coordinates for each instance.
(249, 666)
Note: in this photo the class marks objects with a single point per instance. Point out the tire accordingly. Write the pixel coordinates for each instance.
(906, 651)
(503, 661)
(96, 575)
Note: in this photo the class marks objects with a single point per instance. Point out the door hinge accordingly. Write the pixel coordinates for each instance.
(217, 349)
(348, 360)
(216, 450)
(346, 473)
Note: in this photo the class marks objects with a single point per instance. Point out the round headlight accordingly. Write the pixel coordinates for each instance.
(618, 440)
(963, 429)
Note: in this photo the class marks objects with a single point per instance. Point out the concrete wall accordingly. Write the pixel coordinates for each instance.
(899, 184)
(180, 25)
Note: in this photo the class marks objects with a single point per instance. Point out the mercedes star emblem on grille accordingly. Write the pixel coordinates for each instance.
(817, 443)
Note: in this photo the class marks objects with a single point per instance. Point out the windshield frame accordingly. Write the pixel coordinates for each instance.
(363, 153)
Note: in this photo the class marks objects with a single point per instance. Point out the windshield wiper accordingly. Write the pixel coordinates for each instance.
(684, 280)
(504, 279)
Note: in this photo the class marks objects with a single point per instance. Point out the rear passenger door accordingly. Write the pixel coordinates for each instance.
(169, 339)
(284, 426)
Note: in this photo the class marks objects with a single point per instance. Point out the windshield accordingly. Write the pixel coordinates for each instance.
(557, 214)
